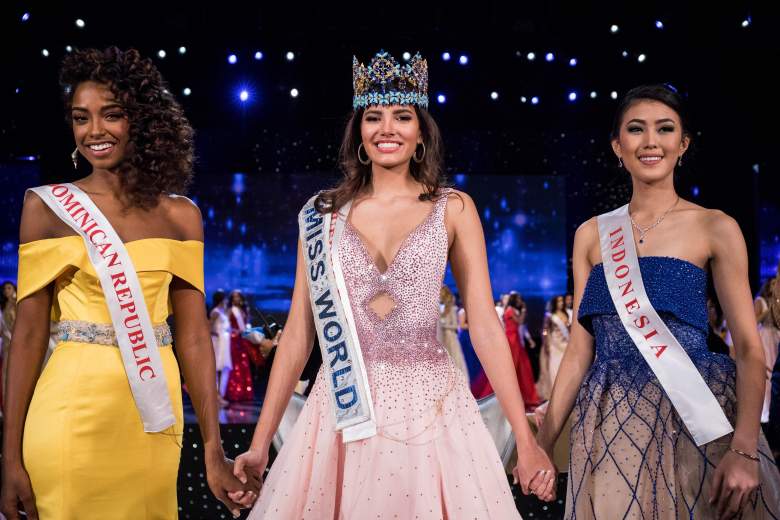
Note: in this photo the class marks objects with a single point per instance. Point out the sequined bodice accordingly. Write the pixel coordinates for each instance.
(676, 288)
(412, 280)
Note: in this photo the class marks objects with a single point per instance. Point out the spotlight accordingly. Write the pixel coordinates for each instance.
(290, 55)
(258, 55)
(25, 17)
(572, 96)
(441, 98)
(80, 23)
(182, 50)
(161, 54)
(613, 94)
(641, 58)
(523, 99)
(294, 93)
(659, 24)
(407, 56)
(745, 23)
(593, 94)
(535, 100)
(549, 56)
(232, 59)
(494, 95)
(614, 28)
(531, 56)
(187, 91)
(243, 95)
(45, 53)
(463, 60)
(445, 56)
(573, 62)
(68, 48)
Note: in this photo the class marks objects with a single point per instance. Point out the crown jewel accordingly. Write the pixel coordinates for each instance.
(386, 82)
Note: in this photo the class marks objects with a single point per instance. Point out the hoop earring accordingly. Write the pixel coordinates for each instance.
(368, 159)
(620, 162)
(418, 161)
(75, 158)
(679, 161)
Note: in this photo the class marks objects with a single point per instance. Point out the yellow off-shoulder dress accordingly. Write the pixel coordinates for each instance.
(84, 445)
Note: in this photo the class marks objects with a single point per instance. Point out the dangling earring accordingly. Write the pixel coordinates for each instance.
(679, 161)
(620, 162)
(368, 159)
(420, 159)
(75, 158)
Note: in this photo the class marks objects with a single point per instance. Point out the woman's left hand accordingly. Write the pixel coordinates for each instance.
(736, 477)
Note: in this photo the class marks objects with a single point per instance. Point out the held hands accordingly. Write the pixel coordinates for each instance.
(227, 488)
(17, 488)
(735, 479)
(534, 472)
(249, 465)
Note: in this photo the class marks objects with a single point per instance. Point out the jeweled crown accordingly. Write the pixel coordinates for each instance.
(386, 82)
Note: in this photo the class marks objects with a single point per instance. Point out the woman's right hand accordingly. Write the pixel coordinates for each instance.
(17, 488)
(535, 472)
(253, 461)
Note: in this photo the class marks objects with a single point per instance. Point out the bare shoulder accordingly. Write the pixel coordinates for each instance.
(586, 242)
(722, 231)
(39, 222)
(458, 203)
(184, 215)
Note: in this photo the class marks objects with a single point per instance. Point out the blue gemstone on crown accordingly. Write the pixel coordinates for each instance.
(386, 82)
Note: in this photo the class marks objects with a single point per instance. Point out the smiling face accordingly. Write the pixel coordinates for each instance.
(651, 140)
(100, 126)
(390, 134)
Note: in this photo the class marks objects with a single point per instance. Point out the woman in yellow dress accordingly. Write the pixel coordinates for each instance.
(74, 445)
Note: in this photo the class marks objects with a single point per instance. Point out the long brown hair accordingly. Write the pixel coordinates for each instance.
(429, 172)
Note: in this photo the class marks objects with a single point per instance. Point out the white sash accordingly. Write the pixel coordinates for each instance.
(343, 363)
(561, 326)
(124, 298)
(679, 377)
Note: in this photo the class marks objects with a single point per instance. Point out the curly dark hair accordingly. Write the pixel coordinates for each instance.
(159, 154)
(430, 172)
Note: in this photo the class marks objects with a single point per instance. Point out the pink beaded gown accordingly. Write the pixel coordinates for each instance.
(433, 458)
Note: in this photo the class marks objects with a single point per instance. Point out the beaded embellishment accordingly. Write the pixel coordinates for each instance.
(102, 333)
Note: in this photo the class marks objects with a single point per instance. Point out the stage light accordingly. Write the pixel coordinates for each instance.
(593, 94)
(45, 53)
(535, 100)
(182, 50)
(695, 191)
(614, 28)
(523, 99)
(445, 56)
(161, 54)
(25, 17)
(80, 23)
(232, 59)
(531, 56)
(187, 91)
(746, 22)
(294, 93)
(613, 94)
(641, 58)
(243, 95)
(68, 48)
(258, 55)
(625, 54)
(572, 96)
(290, 55)
(549, 56)
(573, 62)
(441, 98)
(494, 95)
(463, 60)
(407, 56)
(659, 24)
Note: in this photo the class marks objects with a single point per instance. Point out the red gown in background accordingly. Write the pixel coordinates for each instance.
(525, 374)
(240, 386)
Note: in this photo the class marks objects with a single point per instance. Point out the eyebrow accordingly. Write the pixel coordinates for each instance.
(658, 121)
(103, 109)
(395, 112)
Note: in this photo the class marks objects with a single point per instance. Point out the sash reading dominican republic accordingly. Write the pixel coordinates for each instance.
(124, 298)
(343, 363)
(679, 377)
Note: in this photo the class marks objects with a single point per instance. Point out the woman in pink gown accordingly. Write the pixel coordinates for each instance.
(432, 457)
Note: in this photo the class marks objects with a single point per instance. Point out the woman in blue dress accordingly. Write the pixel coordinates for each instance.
(631, 454)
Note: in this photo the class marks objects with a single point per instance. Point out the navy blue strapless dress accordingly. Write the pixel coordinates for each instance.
(631, 455)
